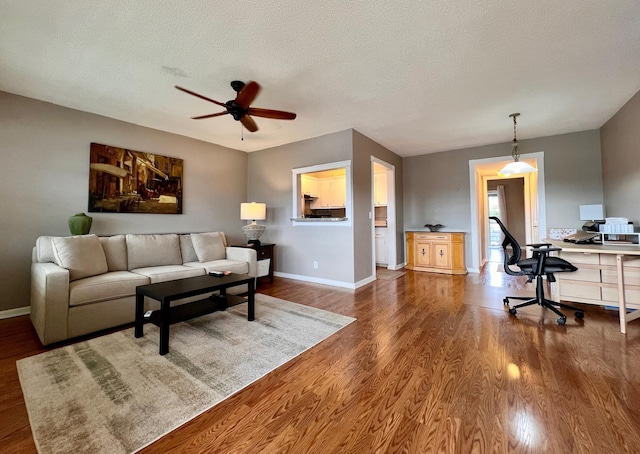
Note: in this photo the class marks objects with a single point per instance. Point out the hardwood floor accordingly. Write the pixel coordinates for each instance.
(434, 363)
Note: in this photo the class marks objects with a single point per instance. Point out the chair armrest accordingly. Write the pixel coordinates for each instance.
(49, 301)
(544, 248)
(244, 254)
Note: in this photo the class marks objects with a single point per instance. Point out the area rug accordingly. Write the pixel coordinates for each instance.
(388, 275)
(116, 394)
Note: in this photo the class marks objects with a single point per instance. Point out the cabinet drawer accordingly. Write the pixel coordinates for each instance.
(581, 257)
(631, 295)
(631, 276)
(570, 289)
(264, 254)
(609, 259)
(432, 236)
(583, 274)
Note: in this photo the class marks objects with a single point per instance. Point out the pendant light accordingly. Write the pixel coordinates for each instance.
(516, 166)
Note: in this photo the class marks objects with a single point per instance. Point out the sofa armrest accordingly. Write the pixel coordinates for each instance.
(244, 254)
(49, 301)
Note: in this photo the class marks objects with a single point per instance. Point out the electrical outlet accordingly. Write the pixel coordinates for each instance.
(315, 264)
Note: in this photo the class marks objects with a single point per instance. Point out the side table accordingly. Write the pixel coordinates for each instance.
(265, 251)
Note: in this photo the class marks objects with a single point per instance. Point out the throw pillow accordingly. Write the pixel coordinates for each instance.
(115, 250)
(153, 250)
(208, 246)
(82, 255)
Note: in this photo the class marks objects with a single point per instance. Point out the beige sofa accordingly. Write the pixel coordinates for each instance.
(83, 284)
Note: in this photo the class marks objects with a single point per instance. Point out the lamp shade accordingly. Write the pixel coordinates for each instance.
(253, 211)
(516, 167)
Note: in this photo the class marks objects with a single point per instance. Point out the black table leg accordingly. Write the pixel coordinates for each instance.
(252, 301)
(165, 307)
(138, 331)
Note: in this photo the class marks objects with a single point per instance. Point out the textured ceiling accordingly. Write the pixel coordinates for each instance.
(416, 76)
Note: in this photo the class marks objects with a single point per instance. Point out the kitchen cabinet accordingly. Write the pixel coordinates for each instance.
(380, 189)
(309, 185)
(332, 192)
(381, 245)
(436, 252)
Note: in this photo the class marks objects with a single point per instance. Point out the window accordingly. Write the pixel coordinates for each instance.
(322, 194)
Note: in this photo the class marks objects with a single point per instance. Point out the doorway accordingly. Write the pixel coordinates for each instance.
(506, 201)
(383, 215)
(481, 171)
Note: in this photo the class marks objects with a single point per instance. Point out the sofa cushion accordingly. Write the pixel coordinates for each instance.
(222, 265)
(107, 286)
(208, 246)
(115, 250)
(152, 250)
(186, 249)
(168, 272)
(82, 255)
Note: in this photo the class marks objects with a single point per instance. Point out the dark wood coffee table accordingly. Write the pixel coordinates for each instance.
(169, 291)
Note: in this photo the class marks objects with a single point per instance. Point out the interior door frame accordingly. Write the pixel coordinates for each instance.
(392, 247)
(482, 170)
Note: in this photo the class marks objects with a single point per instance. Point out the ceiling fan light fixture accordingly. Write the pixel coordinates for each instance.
(517, 166)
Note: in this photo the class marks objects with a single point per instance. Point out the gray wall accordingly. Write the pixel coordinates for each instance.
(45, 152)
(297, 247)
(343, 253)
(436, 186)
(620, 140)
(363, 149)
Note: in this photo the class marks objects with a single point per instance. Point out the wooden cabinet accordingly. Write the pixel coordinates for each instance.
(380, 189)
(381, 245)
(436, 252)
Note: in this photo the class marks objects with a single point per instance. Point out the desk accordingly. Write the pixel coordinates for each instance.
(608, 275)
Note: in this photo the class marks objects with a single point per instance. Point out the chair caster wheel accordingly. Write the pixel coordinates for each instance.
(579, 315)
(505, 301)
(513, 311)
(562, 320)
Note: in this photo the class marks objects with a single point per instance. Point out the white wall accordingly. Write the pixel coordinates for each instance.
(44, 150)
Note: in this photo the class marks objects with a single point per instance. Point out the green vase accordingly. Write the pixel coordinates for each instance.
(80, 224)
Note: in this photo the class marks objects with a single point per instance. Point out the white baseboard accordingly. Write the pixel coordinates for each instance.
(15, 312)
(398, 267)
(317, 280)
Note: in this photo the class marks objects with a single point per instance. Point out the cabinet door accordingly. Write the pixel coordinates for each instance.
(324, 194)
(338, 190)
(309, 185)
(441, 255)
(381, 245)
(423, 253)
(380, 189)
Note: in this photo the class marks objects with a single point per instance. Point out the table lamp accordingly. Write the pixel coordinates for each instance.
(251, 212)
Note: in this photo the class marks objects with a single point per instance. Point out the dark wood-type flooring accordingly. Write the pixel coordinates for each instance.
(434, 363)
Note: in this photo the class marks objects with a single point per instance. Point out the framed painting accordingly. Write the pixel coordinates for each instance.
(128, 181)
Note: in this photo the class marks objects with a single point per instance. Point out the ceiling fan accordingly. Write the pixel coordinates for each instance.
(240, 108)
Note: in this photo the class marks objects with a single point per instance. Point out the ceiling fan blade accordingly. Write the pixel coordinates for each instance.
(269, 113)
(247, 94)
(209, 116)
(201, 97)
(248, 123)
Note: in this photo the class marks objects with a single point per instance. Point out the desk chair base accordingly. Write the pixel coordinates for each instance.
(544, 302)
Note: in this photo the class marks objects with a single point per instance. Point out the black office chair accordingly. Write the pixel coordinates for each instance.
(539, 265)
